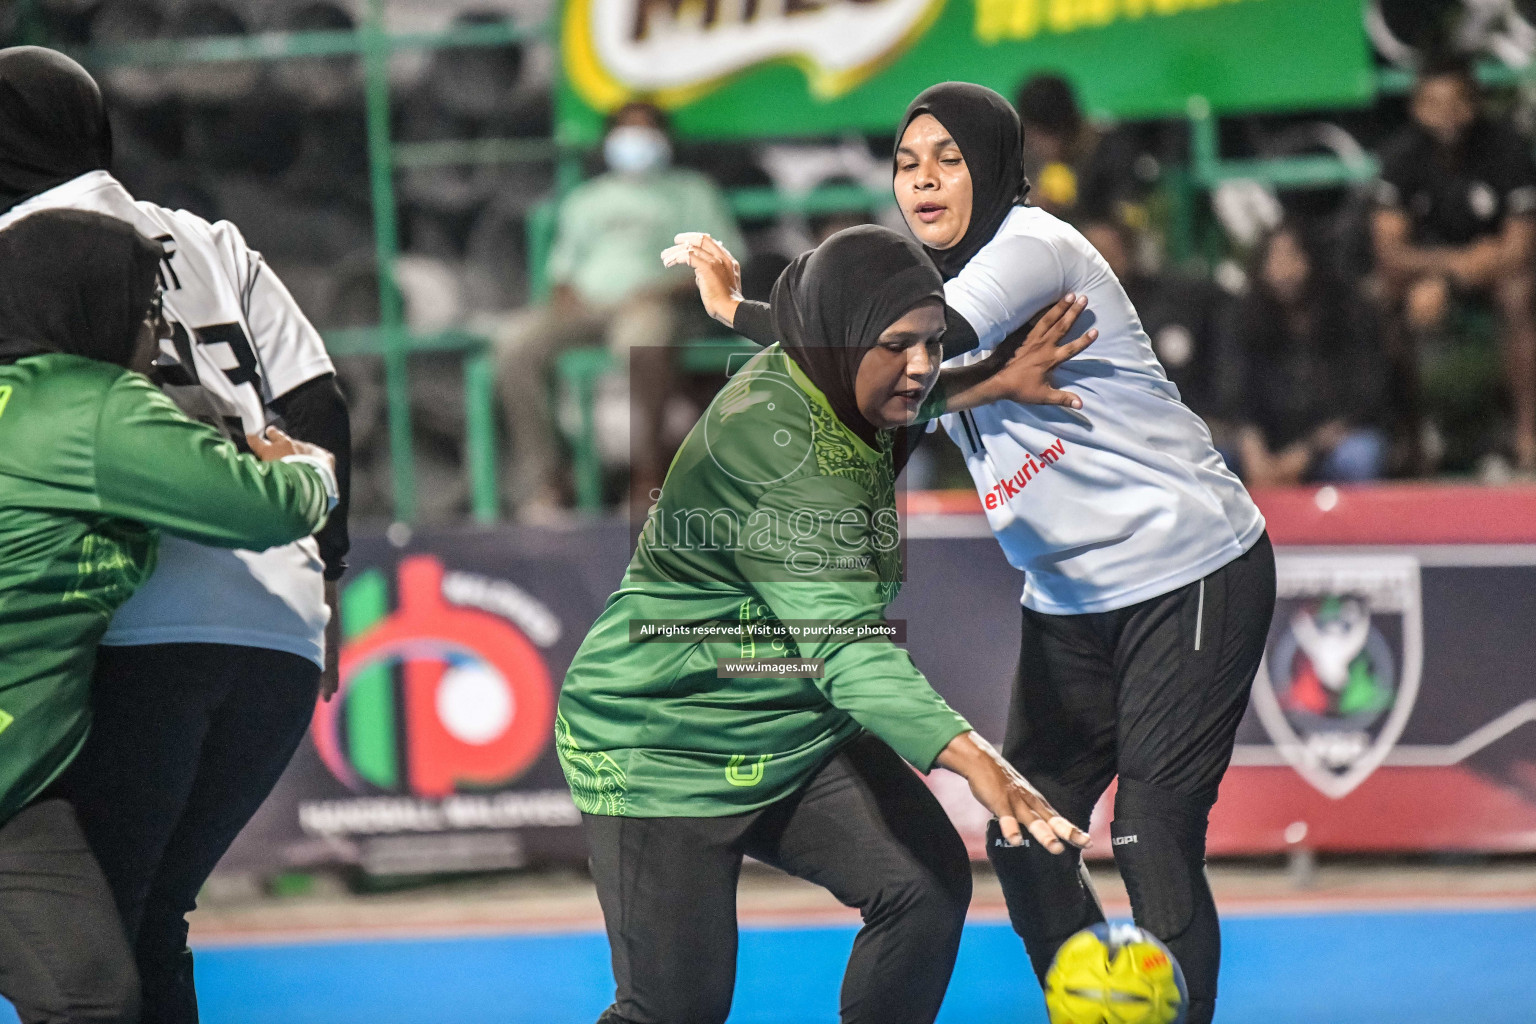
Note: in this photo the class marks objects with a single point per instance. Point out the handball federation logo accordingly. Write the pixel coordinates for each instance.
(436, 697)
(1341, 669)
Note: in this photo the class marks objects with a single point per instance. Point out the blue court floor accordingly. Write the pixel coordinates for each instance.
(1429, 967)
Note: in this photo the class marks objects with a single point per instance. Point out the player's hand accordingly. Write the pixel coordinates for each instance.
(999, 788)
(1035, 349)
(272, 444)
(715, 271)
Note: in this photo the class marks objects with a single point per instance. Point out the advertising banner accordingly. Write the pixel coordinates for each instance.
(761, 68)
(437, 752)
(1393, 680)
(1395, 709)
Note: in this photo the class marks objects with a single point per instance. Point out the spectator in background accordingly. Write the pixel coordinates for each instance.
(1455, 218)
(609, 286)
(1311, 400)
(1078, 172)
(1183, 317)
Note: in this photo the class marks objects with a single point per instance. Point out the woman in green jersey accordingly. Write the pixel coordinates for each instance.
(723, 705)
(94, 459)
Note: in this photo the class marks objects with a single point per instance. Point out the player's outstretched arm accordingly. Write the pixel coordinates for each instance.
(999, 787)
(1019, 369)
(715, 271)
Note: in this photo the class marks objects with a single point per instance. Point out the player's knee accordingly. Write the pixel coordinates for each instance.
(950, 866)
(1045, 888)
(931, 897)
(940, 898)
(1072, 801)
(1158, 838)
(955, 883)
(1048, 895)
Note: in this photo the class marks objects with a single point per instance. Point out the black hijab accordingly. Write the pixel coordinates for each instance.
(53, 123)
(986, 128)
(74, 282)
(831, 305)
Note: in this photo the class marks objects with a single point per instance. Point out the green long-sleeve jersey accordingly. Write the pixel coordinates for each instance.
(772, 514)
(93, 459)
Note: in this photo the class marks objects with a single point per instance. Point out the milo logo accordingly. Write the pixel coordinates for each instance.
(672, 52)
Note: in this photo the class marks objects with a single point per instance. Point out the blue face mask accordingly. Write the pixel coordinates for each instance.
(636, 149)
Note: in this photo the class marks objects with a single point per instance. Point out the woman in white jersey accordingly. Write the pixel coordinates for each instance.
(1149, 581)
(208, 675)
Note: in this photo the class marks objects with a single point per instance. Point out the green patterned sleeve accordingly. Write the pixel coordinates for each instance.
(818, 551)
(158, 467)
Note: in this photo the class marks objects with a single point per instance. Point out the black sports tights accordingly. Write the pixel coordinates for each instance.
(188, 741)
(1152, 693)
(865, 828)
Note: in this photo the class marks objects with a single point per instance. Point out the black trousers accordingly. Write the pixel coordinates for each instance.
(63, 958)
(188, 740)
(865, 828)
(1152, 693)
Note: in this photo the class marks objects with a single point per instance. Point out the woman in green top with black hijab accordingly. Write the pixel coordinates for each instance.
(686, 754)
(93, 461)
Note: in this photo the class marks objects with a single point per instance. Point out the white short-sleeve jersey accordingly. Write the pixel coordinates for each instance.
(1120, 501)
(240, 343)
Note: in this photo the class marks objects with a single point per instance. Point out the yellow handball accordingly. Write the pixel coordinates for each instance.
(1115, 974)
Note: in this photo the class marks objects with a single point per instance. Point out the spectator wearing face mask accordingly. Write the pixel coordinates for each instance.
(609, 288)
(1456, 218)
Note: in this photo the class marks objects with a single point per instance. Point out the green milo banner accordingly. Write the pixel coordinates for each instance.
(755, 68)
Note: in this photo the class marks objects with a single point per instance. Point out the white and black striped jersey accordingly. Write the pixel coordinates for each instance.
(240, 343)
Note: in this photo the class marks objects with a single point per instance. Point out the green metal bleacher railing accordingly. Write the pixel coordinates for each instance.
(391, 339)
(395, 343)
(479, 401)
(579, 372)
(1209, 169)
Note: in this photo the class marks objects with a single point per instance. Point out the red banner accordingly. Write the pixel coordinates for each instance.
(1394, 710)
